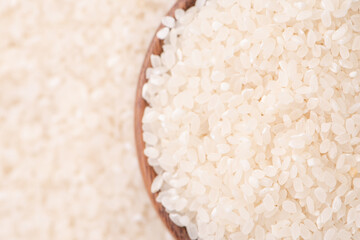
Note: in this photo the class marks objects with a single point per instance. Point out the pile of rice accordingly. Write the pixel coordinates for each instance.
(254, 119)
(68, 72)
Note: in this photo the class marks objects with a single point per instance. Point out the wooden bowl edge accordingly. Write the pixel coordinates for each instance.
(147, 171)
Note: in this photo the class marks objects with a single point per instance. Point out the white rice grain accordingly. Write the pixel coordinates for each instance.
(256, 119)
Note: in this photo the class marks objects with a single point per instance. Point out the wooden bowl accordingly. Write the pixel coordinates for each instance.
(147, 171)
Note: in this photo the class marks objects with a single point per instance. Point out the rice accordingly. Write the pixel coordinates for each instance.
(257, 119)
(68, 73)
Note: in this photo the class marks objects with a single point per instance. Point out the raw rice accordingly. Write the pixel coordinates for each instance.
(255, 107)
(68, 73)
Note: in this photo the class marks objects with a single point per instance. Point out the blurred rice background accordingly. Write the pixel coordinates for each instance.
(68, 72)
